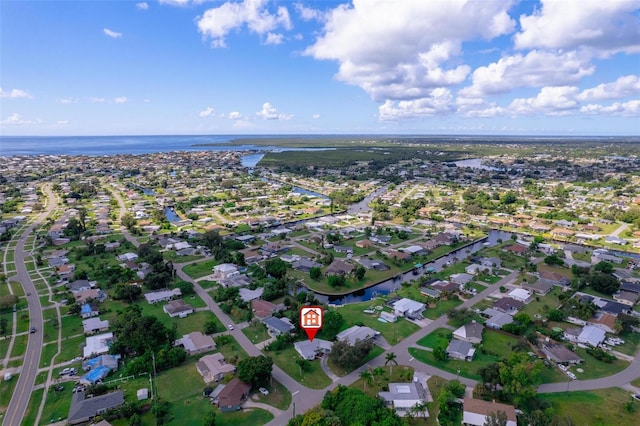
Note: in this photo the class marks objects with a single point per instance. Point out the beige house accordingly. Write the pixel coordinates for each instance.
(213, 367)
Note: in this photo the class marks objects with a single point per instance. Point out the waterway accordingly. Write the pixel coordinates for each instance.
(474, 163)
(392, 284)
(171, 214)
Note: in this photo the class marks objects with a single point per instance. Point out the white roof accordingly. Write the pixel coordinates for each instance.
(520, 294)
(96, 345)
(479, 419)
(592, 335)
(94, 323)
(225, 267)
(408, 305)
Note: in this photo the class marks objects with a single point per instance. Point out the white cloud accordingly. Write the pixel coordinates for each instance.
(15, 94)
(628, 109)
(142, 5)
(121, 100)
(315, 116)
(174, 2)
(217, 22)
(309, 14)
(558, 100)
(69, 101)
(16, 119)
(62, 122)
(488, 112)
(96, 100)
(535, 69)
(269, 112)
(274, 38)
(622, 87)
(207, 112)
(403, 50)
(438, 103)
(603, 25)
(112, 34)
(235, 115)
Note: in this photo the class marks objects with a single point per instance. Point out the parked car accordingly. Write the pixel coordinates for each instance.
(264, 391)
(33, 330)
(59, 388)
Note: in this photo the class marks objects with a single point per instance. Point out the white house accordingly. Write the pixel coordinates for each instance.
(408, 308)
(520, 294)
(591, 335)
(224, 271)
(97, 345)
(476, 411)
(311, 349)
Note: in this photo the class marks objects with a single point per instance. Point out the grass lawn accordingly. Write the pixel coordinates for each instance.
(392, 332)
(594, 369)
(71, 325)
(232, 350)
(48, 351)
(195, 301)
(256, 332)
(279, 396)
(436, 384)
(173, 257)
(56, 407)
(71, 348)
(339, 371)
(597, 407)
(200, 269)
(249, 416)
(401, 373)
(286, 359)
(32, 409)
(22, 325)
(6, 392)
(19, 345)
(206, 284)
(442, 307)
(538, 302)
(438, 337)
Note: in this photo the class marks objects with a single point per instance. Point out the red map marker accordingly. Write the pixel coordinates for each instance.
(311, 320)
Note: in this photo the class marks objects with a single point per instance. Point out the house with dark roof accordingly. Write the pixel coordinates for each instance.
(471, 332)
(458, 349)
(539, 287)
(339, 267)
(560, 354)
(375, 264)
(262, 308)
(508, 305)
(476, 411)
(277, 326)
(303, 264)
(177, 308)
(84, 409)
(234, 394)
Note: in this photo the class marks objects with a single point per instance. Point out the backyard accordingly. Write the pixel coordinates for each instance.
(597, 407)
(314, 378)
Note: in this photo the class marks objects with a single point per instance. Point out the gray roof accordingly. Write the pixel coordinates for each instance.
(84, 409)
(352, 334)
(310, 349)
(278, 324)
(459, 347)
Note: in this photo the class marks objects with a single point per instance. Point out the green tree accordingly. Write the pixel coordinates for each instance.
(604, 267)
(604, 283)
(277, 268)
(315, 273)
(366, 377)
(440, 353)
(332, 322)
(210, 418)
(360, 272)
(210, 327)
(498, 418)
(390, 359)
(255, 370)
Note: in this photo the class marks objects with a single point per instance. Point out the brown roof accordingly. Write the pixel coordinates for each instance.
(551, 276)
(560, 353)
(485, 408)
(262, 308)
(338, 267)
(604, 319)
(507, 303)
(233, 393)
(516, 248)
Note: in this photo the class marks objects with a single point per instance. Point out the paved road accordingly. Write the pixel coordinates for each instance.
(26, 380)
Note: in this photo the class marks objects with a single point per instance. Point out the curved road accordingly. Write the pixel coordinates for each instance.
(26, 380)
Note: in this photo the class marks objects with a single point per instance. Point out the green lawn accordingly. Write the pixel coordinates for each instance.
(442, 308)
(339, 371)
(537, 304)
(249, 416)
(56, 407)
(200, 269)
(71, 325)
(597, 407)
(48, 351)
(401, 373)
(279, 396)
(232, 350)
(6, 392)
(206, 284)
(392, 332)
(173, 257)
(631, 341)
(19, 345)
(32, 409)
(438, 337)
(71, 348)
(286, 359)
(256, 332)
(594, 369)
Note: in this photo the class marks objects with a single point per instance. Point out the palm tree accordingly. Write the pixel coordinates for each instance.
(390, 359)
(366, 377)
(377, 373)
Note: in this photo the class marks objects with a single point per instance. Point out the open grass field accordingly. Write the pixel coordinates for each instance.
(279, 396)
(286, 359)
(598, 407)
(32, 409)
(6, 392)
(631, 341)
(256, 332)
(392, 332)
(200, 269)
(442, 308)
(438, 337)
(537, 304)
(594, 369)
(56, 407)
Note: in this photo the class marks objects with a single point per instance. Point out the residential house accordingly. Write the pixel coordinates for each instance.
(408, 308)
(398, 255)
(353, 334)
(471, 332)
(262, 309)
(508, 305)
(591, 335)
(91, 294)
(304, 264)
(458, 349)
(277, 326)
(414, 250)
(490, 262)
(233, 395)
(475, 269)
(539, 287)
(127, 257)
(612, 239)
(80, 285)
(388, 316)
(403, 397)
(177, 308)
(375, 264)
(213, 367)
(476, 411)
(89, 310)
(520, 294)
(343, 249)
(560, 354)
(311, 349)
(247, 295)
(98, 368)
(84, 409)
(496, 319)
(604, 321)
(626, 297)
(94, 325)
(516, 249)
(240, 280)
(364, 243)
(162, 296)
(224, 271)
(97, 345)
(339, 267)
(196, 342)
(461, 278)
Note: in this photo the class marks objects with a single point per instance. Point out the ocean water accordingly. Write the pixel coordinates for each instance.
(112, 145)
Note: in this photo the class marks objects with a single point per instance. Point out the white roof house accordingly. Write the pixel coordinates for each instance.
(520, 294)
(91, 325)
(310, 349)
(162, 295)
(355, 333)
(409, 308)
(97, 345)
(591, 335)
(224, 270)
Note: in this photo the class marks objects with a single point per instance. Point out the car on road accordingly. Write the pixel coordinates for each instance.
(28, 293)
(230, 326)
(33, 330)
(264, 391)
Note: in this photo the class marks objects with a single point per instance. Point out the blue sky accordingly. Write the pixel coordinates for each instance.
(365, 66)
